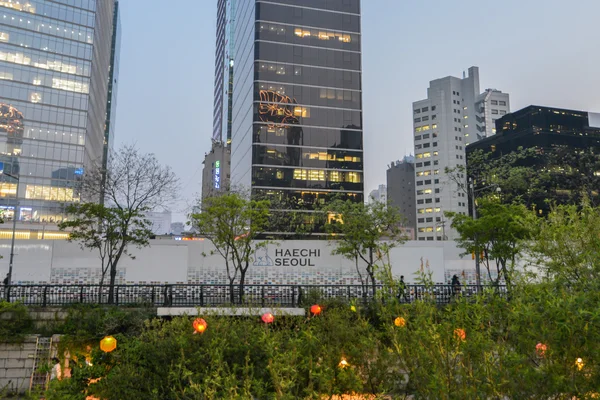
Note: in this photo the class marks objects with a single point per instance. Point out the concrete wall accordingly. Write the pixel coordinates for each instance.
(16, 365)
(170, 261)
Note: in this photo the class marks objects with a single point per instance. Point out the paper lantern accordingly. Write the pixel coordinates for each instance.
(400, 322)
(353, 308)
(108, 344)
(200, 325)
(579, 364)
(268, 318)
(316, 309)
(343, 363)
(460, 334)
(541, 348)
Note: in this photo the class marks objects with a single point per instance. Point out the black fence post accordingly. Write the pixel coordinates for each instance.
(44, 301)
(262, 295)
(201, 295)
(153, 297)
(293, 296)
(81, 294)
(116, 295)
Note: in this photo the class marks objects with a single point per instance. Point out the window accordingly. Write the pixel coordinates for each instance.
(436, 162)
(430, 219)
(425, 109)
(418, 146)
(502, 112)
(495, 112)
(438, 209)
(421, 220)
(435, 144)
(434, 126)
(426, 118)
(427, 163)
(419, 165)
(433, 108)
(417, 120)
(419, 183)
(494, 102)
(436, 172)
(437, 191)
(428, 201)
(437, 199)
(426, 145)
(426, 136)
(421, 201)
(434, 116)
(418, 137)
(502, 103)
(428, 182)
(435, 153)
(436, 181)
(418, 111)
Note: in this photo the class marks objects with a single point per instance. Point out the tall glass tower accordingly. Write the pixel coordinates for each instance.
(58, 75)
(297, 101)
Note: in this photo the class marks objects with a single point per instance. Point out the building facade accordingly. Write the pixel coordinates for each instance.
(160, 222)
(297, 104)
(57, 61)
(401, 190)
(224, 65)
(379, 195)
(216, 171)
(565, 159)
(454, 114)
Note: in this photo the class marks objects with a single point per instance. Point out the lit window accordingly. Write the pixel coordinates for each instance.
(316, 175)
(427, 191)
(279, 174)
(39, 192)
(435, 153)
(35, 97)
(6, 76)
(354, 177)
(72, 86)
(426, 155)
(421, 211)
(335, 176)
(300, 174)
(437, 210)
(434, 126)
(425, 128)
(17, 6)
(4, 37)
(429, 210)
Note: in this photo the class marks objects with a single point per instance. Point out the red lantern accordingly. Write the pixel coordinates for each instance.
(541, 348)
(200, 325)
(316, 309)
(268, 318)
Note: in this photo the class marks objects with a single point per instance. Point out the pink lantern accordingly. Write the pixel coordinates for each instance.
(268, 318)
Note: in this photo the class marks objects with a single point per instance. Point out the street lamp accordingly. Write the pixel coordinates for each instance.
(474, 215)
(14, 227)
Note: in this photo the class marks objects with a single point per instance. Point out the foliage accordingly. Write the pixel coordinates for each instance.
(132, 184)
(535, 177)
(498, 233)
(364, 233)
(567, 248)
(15, 322)
(232, 223)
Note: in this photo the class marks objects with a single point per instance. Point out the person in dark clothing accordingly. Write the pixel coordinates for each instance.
(455, 285)
(402, 290)
(5, 281)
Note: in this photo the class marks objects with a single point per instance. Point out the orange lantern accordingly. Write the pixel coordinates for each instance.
(541, 348)
(400, 322)
(343, 363)
(268, 318)
(108, 344)
(579, 364)
(460, 334)
(316, 309)
(199, 325)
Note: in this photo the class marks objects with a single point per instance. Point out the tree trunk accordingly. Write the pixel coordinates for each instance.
(242, 283)
(111, 288)
(371, 271)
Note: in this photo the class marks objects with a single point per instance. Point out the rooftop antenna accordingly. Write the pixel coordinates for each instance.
(464, 74)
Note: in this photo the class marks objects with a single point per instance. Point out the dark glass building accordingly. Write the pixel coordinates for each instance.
(564, 166)
(297, 100)
(224, 64)
(57, 85)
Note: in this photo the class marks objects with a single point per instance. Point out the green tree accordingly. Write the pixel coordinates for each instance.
(114, 202)
(108, 230)
(499, 234)
(567, 248)
(233, 223)
(364, 233)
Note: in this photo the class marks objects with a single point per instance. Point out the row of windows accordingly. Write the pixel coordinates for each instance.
(41, 24)
(46, 79)
(307, 56)
(496, 103)
(430, 229)
(275, 114)
(426, 155)
(425, 128)
(44, 150)
(309, 95)
(425, 118)
(350, 6)
(43, 95)
(307, 178)
(426, 163)
(429, 219)
(36, 213)
(52, 10)
(297, 156)
(426, 191)
(496, 112)
(303, 75)
(427, 173)
(424, 109)
(307, 36)
(429, 210)
(426, 136)
(36, 114)
(303, 199)
(307, 17)
(53, 133)
(37, 41)
(308, 136)
(37, 59)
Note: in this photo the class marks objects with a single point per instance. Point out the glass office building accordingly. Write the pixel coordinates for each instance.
(58, 75)
(297, 104)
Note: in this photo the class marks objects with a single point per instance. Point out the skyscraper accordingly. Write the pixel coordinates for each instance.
(58, 74)
(454, 114)
(297, 101)
(224, 64)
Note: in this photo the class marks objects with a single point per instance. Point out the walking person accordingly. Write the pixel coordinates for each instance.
(455, 286)
(402, 290)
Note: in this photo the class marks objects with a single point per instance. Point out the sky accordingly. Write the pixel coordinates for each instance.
(543, 52)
